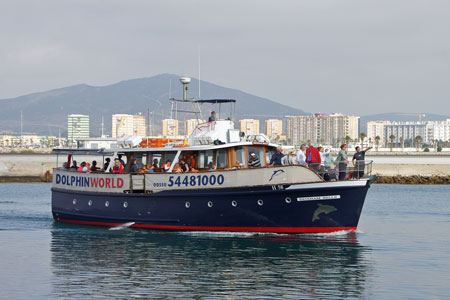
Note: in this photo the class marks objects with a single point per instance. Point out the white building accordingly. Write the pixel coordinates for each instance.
(78, 126)
(274, 128)
(170, 127)
(124, 125)
(249, 126)
(406, 132)
(322, 129)
(438, 130)
(377, 128)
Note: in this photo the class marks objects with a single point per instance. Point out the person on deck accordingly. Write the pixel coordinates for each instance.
(327, 159)
(154, 167)
(212, 117)
(166, 166)
(276, 157)
(289, 159)
(118, 167)
(120, 159)
(358, 161)
(301, 157)
(341, 162)
(94, 167)
(106, 164)
(83, 168)
(254, 161)
(74, 166)
(313, 158)
(133, 166)
(65, 166)
(184, 165)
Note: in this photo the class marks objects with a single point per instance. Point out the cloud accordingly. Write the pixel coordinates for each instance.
(351, 56)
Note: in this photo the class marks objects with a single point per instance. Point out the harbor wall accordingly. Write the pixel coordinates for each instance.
(387, 167)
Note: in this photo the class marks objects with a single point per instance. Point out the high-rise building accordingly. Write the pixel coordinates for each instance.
(377, 128)
(406, 132)
(249, 126)
(274, 128)
(77, 127)
(170, 127)
(438, 131)
(322, 129)
(124, 124)
(191, 124)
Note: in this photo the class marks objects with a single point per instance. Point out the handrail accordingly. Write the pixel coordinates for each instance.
(361, 169)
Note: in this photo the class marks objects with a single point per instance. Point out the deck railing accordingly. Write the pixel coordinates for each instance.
(344, 171)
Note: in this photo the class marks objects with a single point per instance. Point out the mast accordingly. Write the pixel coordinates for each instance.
(102, 127)
(199, 79)
(21, 128)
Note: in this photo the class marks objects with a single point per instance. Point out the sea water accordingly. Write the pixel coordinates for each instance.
(401, 251)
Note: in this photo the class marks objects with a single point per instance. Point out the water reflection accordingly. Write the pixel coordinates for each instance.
(91, 262)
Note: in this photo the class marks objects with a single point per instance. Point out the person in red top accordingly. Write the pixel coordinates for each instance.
(313, 158)
(117, 168)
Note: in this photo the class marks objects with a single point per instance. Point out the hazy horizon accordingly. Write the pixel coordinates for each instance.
(353, 57)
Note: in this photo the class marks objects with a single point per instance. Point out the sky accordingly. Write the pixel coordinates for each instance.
(351, 56)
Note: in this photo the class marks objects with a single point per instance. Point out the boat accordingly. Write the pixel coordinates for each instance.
(219, 191)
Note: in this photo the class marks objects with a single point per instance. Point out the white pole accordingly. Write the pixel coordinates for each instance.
(199, 74)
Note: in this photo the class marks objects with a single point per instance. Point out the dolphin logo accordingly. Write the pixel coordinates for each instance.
(326, 209)
(275, 173)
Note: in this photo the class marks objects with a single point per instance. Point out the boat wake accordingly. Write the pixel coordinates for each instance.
(335, 233)
(122, 226)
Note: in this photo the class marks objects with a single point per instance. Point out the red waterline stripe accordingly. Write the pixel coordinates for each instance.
(222, 228)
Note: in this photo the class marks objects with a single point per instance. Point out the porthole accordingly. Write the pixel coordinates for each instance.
(187, 204)
(90, 202)
(125, 204)
(210, 204)
(74, 201)
(260, 202)
(288, 200)
(234, 203)
(107, 203)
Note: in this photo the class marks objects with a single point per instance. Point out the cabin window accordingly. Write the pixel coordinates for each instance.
(221, 159)
(139, 158)
(259, 154)
(205, 159)
(169, 155)
(269, 155)
(240, 156)
(152, 157)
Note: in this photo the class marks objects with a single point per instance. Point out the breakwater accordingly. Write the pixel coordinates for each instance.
(395, 169)
(414, 179)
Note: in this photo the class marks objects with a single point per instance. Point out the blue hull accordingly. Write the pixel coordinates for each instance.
(291, 210)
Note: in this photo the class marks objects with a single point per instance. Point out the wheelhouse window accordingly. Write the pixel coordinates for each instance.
(241, 157)
(205, 159)
(169, 155)
(259, 152)
(154, 157)
(269, 155)
(221, 159)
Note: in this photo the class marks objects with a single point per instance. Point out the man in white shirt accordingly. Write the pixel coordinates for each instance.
(301, 157)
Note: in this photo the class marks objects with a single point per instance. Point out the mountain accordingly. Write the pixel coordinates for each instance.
(400, 117)
(46, 112)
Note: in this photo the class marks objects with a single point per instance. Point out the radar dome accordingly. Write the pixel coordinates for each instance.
(185, 80)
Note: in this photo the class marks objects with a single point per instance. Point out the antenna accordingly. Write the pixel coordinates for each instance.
(21, 128)
(171, 106)
(199, 79)
(102, 127)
